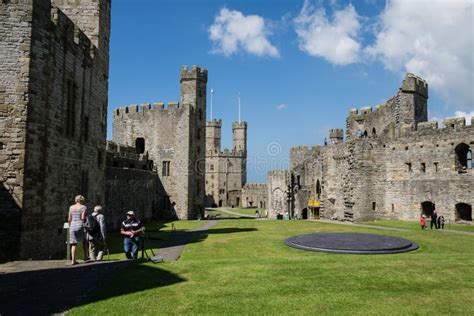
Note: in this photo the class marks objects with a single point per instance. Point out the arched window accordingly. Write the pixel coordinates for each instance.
(374, 132)
(140, 145)
(463, 157)
(463, 212)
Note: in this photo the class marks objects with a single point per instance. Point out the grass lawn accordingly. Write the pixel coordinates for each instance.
(416, 225)
(243, 267)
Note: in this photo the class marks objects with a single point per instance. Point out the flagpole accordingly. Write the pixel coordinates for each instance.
(212, 92)
(239, 107)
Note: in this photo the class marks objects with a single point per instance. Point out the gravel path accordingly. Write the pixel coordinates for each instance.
(172, 248)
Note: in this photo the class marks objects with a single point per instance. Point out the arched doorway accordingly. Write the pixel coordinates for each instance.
(238, 202)
(463, 212)
(220, 203)
(427, 208)
(304, 213)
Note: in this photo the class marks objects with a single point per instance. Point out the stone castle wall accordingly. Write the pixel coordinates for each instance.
(255, 195)
(393, 174)
(62, 80)
(277, 186)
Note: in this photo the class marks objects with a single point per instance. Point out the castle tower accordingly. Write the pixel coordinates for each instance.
(193, 96)
(413, 97)
(239, 137)
(213, 136)
(336, 135)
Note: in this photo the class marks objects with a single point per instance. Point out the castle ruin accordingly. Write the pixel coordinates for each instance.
(393, 165)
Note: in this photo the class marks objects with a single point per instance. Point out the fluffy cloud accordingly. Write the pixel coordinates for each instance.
(433, 39)
(233, 31)
(468, 116)
(281, 107)
(335, 38)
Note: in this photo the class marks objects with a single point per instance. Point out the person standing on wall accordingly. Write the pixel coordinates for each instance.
(131, 229)
(76, 217)
(96, 233)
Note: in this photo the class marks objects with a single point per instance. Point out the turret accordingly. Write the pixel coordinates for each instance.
(336, 135)
(412, 100)
(239, 136)
(213, 135)
(193, 88)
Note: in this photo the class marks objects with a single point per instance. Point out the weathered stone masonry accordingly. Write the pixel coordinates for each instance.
(174, 138)
(403, 167)
(53, 105)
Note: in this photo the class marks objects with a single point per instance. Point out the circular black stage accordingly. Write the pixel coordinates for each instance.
(354, 243)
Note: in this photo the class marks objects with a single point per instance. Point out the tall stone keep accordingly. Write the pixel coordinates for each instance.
(53, 107)
(174, 138)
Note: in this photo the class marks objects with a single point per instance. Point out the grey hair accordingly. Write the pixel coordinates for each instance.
(79, 199)
(98, 209)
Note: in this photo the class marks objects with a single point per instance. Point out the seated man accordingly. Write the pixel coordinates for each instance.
(131, 228)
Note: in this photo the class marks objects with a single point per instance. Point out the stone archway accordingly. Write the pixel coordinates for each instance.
(427, 208)
(463, 212)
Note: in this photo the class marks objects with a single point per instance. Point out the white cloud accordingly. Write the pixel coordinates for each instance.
(468, 116)
(335, 39)
(433, 39)
(281, 107)
(232, 31)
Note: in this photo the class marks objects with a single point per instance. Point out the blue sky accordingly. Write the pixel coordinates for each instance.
(299, 66)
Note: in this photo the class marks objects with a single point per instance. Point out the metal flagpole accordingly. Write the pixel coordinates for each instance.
(212, 92)
(239, 107)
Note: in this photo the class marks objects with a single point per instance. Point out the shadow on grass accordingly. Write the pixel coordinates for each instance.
(190, 237)
(52, 291)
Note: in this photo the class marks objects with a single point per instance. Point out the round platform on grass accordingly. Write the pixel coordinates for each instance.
(352, 243)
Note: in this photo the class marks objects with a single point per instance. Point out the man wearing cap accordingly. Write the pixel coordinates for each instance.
(131, 228)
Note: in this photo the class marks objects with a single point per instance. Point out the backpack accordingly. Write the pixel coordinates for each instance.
(92, 227)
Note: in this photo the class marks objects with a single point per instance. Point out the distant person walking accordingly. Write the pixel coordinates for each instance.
(131, 228)
(422, 222)
(96, 233)
(434, 218)
(76, 217)
(441, 222)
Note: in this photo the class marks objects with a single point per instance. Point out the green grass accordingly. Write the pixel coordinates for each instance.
(243, 267)
(415, 225)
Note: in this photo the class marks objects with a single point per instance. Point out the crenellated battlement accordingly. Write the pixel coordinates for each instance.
(146, 107)
(237, 125)
(193, 73)
(65, 28)
(415, 84)
(255, 186)
(449, 125)
(214, 123)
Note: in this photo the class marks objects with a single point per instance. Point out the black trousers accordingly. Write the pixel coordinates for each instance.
(433, 222)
